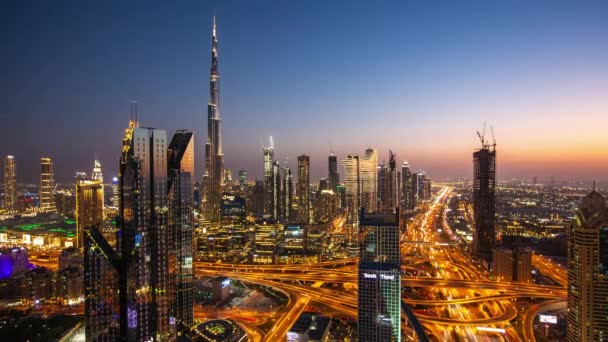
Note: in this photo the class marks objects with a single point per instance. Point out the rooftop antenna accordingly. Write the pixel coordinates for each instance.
(136, 115)
(271, 142)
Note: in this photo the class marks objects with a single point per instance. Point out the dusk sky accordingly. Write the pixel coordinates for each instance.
(419, 79)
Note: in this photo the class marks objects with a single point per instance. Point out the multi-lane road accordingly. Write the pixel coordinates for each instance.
(460, 301)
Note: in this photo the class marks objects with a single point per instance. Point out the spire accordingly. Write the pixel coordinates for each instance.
(214, 24)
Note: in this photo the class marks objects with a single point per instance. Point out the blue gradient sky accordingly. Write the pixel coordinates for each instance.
(416, 78)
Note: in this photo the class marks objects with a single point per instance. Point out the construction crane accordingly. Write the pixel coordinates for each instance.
(493, 138)
(482, 136)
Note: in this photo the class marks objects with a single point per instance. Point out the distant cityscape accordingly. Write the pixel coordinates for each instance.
(373, 251)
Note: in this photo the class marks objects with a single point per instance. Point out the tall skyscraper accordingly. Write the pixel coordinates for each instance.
(406, 198)
(333, 175)
(369, 180)
(268, 178)
(96, 174)
(304, 189)
(352, 184)
(47, 185)
(141, 258)
(180, 197)
(277, 185)
(379, 299)
(287, 194)
(242, 177)
(115, 192)
(484, 201)
(214, 157)
(588, 271)
(10, 183)
(89, 206)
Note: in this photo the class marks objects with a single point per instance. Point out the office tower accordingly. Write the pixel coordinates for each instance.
(502, 267)
(484, 201)
(369, 180)
(407, 200)
(416, 180)
(89, 206)
(233, 210)
(10, 183)
(180, 198)
(522, 268)
(383, 193)
(379, 298)
(352, 191)
(304, 189)
(323, 184)
(214, 157)
(267, 241)
(393, 195)
(326, 206)
(287, 194)
(47, 185)
(115, 192)
(268, 178)
(141, 257)
(333, 175)
(259, 197)
(242, 178)
(277, 184)
(96, 174)
(588, 271)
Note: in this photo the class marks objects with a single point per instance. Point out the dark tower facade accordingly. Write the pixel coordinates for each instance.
(214, 157)
(333, 176)
(304, 189)
(180, 162)
(484, 201)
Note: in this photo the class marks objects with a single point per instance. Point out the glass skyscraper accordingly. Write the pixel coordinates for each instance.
(379, 298)
(484, 202)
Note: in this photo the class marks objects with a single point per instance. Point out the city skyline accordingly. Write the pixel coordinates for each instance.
(521, 69)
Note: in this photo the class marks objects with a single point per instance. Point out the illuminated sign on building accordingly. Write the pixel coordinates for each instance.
(548, 319)
(387, 277)
(225, 282)
(369, 275)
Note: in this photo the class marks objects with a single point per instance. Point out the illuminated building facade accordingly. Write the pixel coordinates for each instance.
(333, 176)
(369, 180)
(406, 196)
(379, 296)
(180, 198)
(10, 183)
(96, 174)
(294, 238)
(141, 258)
(115, 192)
(267, 241)
(89, 206)
(277, 198)
(268, 178)
(214, 156)
(387, 186)
(304, 189)
(352, 185)
(588, 271)
(233, 209)
(326, 206)
(287, 194)
(47, 185)
(484, 202)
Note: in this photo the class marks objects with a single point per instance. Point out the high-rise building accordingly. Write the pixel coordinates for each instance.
(267, 241)
(379, 298)
(588, 271)
(407, 196)
(47, 185)
(268, 178)
(115, 192)
(304, 189)
(96, 174)
(180, 198)
(333, 175)
(484, 201)
(277, 197)
(89, 206)
(259, 198)
(352, 191)
(522, 268)
(242, 177)
(369, 180)
(214, 156)
(10, 183)
(502, 267)
(141, 257)
(287, 194)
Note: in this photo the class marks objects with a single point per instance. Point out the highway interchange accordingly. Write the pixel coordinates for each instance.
(460, 298)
